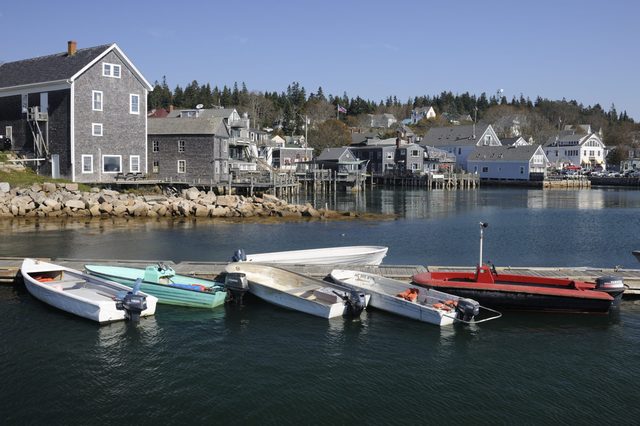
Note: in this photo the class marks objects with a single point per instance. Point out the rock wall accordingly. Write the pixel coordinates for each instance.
(65, 200)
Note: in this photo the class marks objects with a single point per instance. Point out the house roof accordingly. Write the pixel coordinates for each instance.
(503, 153)
(183, 126)
(57, 67)
(335, 154)
(454, 135)
(204, 113)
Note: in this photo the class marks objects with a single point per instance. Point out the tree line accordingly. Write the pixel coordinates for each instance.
(288, 112)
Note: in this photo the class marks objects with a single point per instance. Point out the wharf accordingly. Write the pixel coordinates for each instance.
(10, 266)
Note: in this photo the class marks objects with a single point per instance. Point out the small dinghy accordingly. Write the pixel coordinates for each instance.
(352, 255)
(296, 291)
(162, 282)
(426, 305)
(84, 295)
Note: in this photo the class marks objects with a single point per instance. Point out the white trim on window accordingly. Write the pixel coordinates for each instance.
(181, 145)
(182, 166)
(96, 129)
(87, 160)
(97, 99)
(119, 165)
(134, 107)
(156, 167)
(111, 70)
(134, 160)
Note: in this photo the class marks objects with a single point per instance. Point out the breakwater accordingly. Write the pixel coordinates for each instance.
(66, 200)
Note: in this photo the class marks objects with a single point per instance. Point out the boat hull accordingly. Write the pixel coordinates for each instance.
(78, 294)
(384, 292)
(353, 255)
(291, 290)
(166, 294)
(504, 291)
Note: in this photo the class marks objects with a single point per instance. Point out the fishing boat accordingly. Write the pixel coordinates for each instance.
(84, 295)
(162, 282)
(295, 291)
(351, 255)
(422, 304)
(525, 292)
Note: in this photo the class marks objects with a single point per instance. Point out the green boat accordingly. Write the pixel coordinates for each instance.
(162, 282)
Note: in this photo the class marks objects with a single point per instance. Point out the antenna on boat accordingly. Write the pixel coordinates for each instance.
(482, 226)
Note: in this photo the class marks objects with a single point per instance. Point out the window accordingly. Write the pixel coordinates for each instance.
(224, 146)
(487, 140)
(8, 132)
(134, 104)
(134, 164)
(459, 151)
(414, 153)
(180, 146)
(414, 166)
(97, 100)
(112, 164)
(156, 167)
(96, 129)
(111, 70)
(485, 169)
(389, 155)
(182, 166)
(521, 170)
(155, 146)
(87, 164)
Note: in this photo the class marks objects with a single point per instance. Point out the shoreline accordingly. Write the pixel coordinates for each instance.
(64, 201)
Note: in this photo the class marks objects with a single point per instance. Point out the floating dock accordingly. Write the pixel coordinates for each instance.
(10, 266)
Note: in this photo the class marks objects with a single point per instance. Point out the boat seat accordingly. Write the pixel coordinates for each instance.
(302, 289)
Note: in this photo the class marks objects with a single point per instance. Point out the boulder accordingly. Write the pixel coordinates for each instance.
(201, 211)
(227, 201)
(49, 187)
(4, 187)
(71, 186)
(75, 204)
(192, 194)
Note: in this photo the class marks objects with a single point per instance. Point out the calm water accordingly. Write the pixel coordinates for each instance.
(259, 364)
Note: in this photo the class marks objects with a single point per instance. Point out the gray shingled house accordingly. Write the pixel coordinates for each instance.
(81, 113)
(191, 147)
(523, 162)
(461, 140)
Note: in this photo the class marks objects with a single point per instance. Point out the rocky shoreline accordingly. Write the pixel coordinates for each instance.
(65, 200)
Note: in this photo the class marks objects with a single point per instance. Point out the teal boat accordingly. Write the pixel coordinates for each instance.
(162, 282)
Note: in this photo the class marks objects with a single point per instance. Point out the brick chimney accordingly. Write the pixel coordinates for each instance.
(71, 47)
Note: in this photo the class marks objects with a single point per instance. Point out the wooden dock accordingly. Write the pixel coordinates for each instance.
(10, 266)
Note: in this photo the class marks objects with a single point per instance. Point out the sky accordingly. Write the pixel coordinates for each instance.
(588, 51)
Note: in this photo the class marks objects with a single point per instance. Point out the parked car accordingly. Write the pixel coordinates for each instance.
(5, 143)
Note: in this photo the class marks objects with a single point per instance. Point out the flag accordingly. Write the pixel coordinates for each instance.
(342, 110)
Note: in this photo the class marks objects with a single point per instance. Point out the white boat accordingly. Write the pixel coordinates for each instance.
(295, 291)
(350, 255)
(423, 304)
(84, 295)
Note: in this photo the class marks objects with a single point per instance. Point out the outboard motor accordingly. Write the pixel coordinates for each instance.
(237, 285)
(612, 285)
(467, 309)
(132, 302)
(355, 302)
(239, 256)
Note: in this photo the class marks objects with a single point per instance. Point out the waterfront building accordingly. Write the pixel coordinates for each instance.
(576, 146)
(189, 146)
(461, 140)
(79, 114)
(517, 141)
(524, 162)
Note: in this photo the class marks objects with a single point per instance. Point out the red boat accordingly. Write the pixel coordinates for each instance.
(526, 292)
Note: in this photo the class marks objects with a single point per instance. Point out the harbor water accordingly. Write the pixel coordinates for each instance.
(259, 364)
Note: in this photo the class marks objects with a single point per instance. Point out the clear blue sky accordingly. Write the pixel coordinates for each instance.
(583, 50)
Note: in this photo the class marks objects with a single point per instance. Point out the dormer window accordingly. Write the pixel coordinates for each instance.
(111, 70)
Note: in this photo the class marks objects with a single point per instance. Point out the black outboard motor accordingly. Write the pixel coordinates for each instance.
(237, 285)
(467, 309)
(239, 256)
(355, 302)
(612, 285)
(133, 303)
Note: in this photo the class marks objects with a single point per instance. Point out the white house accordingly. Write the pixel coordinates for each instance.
(418, 114)
(461, 141)
(585, 150)
(524, 162)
